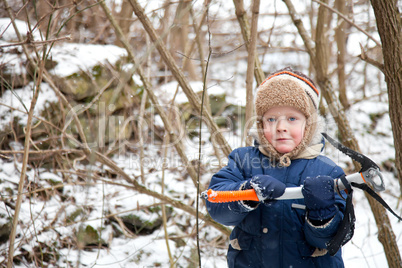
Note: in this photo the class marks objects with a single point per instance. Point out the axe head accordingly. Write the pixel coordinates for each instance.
(369, 169)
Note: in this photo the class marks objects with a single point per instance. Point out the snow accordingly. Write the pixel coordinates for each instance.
(98, 199)
(167, 91)
(20, 101)
(73, 58)
(7, 32)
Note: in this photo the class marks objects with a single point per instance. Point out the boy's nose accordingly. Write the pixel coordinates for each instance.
(281, 125)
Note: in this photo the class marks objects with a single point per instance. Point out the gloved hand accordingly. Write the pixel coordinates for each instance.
(266, 187)
(319, 197)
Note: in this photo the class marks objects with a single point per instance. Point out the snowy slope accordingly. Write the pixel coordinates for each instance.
(98, 198)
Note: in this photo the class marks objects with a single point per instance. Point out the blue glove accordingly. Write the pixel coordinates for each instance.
(319, 197)
(266, 187)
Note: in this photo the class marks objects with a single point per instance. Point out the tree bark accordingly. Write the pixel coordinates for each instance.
(389, 27)
(389, 24)
(249, 117)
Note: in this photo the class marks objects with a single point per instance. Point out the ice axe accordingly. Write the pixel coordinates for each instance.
(368, 174)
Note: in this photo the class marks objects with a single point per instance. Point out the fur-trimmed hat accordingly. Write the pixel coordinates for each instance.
(287, 88)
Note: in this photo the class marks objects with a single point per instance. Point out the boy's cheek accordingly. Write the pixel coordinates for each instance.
(267, 134)
(268, 129)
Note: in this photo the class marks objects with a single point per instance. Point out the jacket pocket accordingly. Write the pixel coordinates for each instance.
(240, 240)
(305, 249)
(244, 250)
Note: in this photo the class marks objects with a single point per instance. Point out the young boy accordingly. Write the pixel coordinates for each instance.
(282, 233)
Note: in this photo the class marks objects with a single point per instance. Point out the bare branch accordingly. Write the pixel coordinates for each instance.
(250, 72)
(37, 43)
(363, 56)
(24, 164)
(245, 30)
(348, 21)
(308, 42)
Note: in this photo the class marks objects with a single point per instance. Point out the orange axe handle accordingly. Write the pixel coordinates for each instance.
(229, 196)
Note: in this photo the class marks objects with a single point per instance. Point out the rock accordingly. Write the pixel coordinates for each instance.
(5, 230)
(88, 237)
(141, 225)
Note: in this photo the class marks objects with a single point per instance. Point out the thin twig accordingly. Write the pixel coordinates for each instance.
(34, 116)
(166, 141)
(363, 56)
(36, 43)
(200, 140)
(165, 146)
(197, 41)
(24, 164)
(142, 114)
(47, 151)
(39, 69)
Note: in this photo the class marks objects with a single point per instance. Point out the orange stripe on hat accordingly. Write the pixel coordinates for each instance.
(294, 75)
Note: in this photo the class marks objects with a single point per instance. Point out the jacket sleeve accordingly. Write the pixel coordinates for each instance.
(318, 236)
(230, 177)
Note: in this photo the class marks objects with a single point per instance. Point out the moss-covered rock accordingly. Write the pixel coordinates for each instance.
(74, 215)
(5, 230)
(101, 130)
(142, 225)
(88, 237)
(86, 84)
(226, 115)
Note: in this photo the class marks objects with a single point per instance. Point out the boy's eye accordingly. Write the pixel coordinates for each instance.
(292, 119)
(271, 119)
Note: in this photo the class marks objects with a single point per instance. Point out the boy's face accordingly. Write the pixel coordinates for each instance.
(284, 127)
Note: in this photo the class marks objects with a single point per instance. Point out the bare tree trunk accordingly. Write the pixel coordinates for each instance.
(124, 16)
(385, 233)
(389, 24)
(164, 21)
(250, 71)
(245, 30)
(321, 42)
(198, 34)
(389, 27)
(179, 37)
(340, 37)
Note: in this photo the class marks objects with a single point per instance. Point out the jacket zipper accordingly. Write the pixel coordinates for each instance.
(281, 227)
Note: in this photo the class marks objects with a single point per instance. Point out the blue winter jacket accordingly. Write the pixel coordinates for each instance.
(275, 235)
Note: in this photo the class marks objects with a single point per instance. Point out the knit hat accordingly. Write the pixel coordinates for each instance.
(287, 88)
